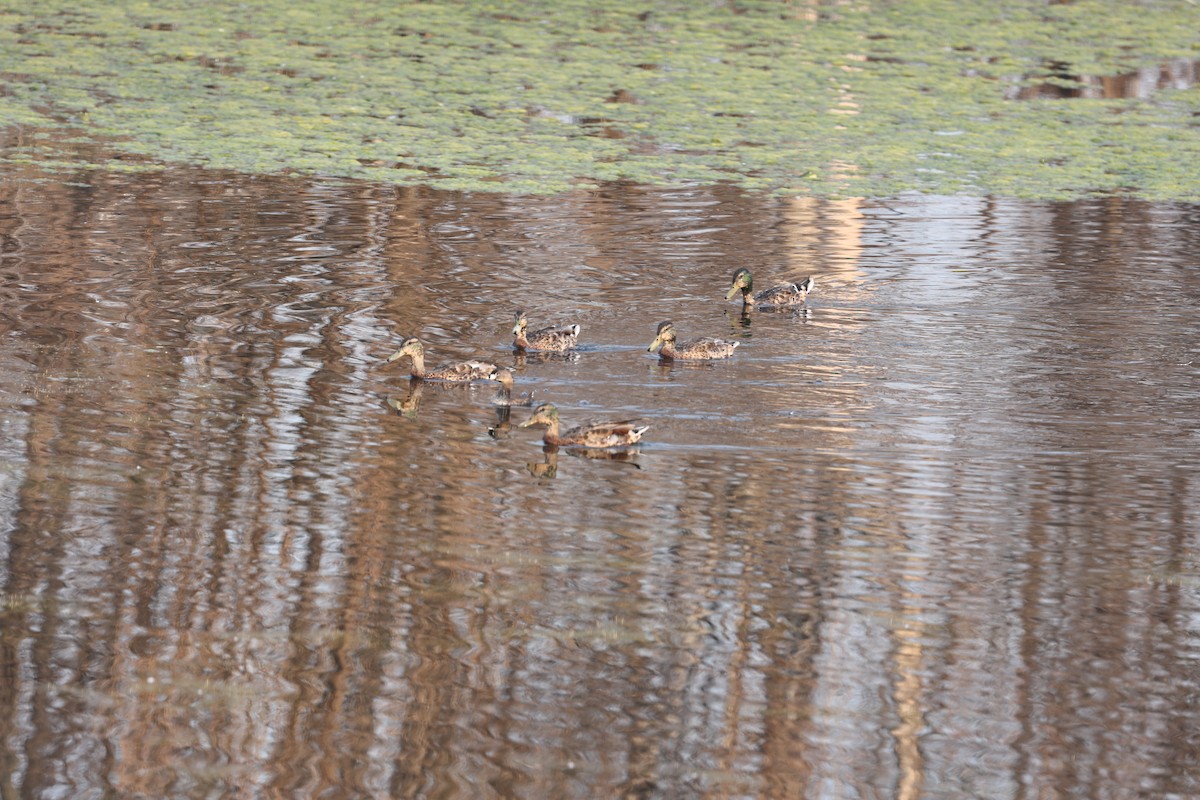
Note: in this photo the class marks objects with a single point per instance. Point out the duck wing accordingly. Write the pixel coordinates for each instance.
(606, 434)
(464, 371)
(561, 337)
(705, 347)
(785, 294)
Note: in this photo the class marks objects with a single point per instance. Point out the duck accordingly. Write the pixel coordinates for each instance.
(504, 396)
(550, 340)
(778, 296)
(598, 435)
(693, 349)
(461, 372)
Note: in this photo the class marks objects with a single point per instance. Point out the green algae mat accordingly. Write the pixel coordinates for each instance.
(1016, 97)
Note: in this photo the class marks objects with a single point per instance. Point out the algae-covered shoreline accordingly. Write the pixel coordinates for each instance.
(852, 98)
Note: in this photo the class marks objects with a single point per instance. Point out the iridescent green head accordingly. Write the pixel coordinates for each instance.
(742, 282)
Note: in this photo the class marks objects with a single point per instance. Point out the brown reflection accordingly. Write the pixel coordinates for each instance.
(824, 238)
(936, 535)
(408, 406)
(548, 467)
(1179, 73)
(503, 426)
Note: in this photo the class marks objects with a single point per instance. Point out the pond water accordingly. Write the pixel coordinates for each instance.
(934, 536)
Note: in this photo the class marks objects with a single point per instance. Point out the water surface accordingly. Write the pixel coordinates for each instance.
(934, 536)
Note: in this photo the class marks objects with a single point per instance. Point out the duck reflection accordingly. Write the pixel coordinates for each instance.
(502, 427)
(504, 396)
(523, 357)
(742, 319)
(548, 466)
(410, 405)
(504, 400)
(664, 367)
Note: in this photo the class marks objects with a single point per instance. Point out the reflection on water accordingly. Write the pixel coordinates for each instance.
(934, 536)
(1062, 80)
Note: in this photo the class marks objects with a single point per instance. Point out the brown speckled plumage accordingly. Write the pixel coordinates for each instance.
(779, 296)
(461, 372)
(554, 339)
(693, 349)
(621, 433)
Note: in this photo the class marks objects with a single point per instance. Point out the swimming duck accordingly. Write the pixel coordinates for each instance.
(551, 340)
(696, 349)
(462, 372)
(503, 396)
(590, 434)
(783, 294)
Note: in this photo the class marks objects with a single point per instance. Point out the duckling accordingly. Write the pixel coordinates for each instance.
(696, 349)
(778, 296)
(462, 372)
(551, 340)
(590, 434)
(503, 396)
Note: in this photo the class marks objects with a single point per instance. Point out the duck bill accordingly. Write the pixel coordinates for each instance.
(528, 422)
(657, 343)
(395, 355)
(516, 330)
(733, 290)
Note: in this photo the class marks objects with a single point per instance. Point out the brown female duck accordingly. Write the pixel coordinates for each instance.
(692, 349)
(461, 372)
(779, 296)
(590, 434)
(550, 340)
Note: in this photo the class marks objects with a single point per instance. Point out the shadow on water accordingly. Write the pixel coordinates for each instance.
(933, 535)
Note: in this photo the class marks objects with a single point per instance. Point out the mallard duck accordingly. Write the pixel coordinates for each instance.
(504, 396)
(551, 340)
(462, 372)
(783, 294)
(692, 349)
(589, 434)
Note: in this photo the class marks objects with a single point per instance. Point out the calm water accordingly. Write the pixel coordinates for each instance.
(934, 538)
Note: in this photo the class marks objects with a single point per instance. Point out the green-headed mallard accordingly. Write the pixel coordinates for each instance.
(550, 340)
(778, 296)
(696, 349)
(590, 434)
(462, 372)
(504, 396)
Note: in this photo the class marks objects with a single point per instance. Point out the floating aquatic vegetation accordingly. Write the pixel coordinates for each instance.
(857, 98)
